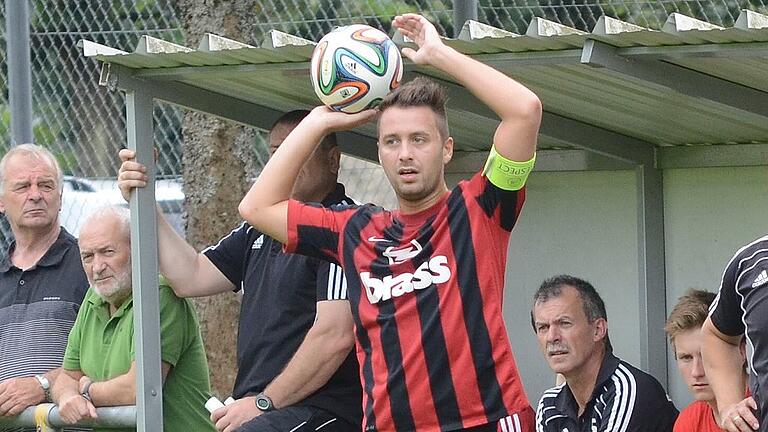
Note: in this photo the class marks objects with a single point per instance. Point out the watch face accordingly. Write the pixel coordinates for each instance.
(263, 403)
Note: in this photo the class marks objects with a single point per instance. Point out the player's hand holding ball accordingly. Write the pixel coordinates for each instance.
(335, 121)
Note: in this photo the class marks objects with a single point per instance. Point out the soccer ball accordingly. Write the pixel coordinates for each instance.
(354, 67)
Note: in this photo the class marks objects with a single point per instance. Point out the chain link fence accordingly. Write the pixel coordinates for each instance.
(313, 18)
(583, 14)
(80, 122)
(85, 125)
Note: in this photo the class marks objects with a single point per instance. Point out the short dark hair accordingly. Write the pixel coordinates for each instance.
(418, 92)
(293, 118)
(689, 313)
(591, 302)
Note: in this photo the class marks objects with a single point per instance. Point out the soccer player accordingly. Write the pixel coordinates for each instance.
(684, 331)
(425, 281)
(601, 393)
(740, 311)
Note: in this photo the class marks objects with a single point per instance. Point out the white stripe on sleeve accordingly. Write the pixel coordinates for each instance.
(337, 283)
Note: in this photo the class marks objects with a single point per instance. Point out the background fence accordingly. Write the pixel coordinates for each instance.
(84, 124)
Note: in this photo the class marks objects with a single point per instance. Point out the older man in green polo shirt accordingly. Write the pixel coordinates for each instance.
(99, 361)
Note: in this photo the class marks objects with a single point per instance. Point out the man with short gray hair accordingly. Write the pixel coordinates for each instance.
(41, 281)
(601, 393)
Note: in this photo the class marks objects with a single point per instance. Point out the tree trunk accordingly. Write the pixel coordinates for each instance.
(217, 165)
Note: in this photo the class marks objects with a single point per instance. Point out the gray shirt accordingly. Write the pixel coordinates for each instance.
(38, 307)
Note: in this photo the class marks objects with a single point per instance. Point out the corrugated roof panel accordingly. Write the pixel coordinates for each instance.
(638, 109)
(751, 20)
(750, 72)
(542, 35)
(212, 42)
(546, 59)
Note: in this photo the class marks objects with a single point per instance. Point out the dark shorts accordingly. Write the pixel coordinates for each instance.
(298, 419)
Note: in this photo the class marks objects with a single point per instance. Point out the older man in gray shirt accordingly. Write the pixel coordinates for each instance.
(41, 280)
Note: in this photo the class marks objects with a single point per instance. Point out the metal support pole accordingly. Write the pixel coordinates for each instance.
(146, 296)
(651, 270)
(19, 70)
(463, 10)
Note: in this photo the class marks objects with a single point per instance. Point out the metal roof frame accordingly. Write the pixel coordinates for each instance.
(620, 97)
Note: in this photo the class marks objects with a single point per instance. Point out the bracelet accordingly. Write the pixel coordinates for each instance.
(86, 393)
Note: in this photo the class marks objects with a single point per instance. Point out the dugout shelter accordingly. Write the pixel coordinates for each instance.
(650, 171)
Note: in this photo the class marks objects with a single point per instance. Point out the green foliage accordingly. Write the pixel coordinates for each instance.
(311, 19)
(5, 128)
(44, 134)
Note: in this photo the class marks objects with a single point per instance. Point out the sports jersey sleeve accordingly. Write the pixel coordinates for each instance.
(331, 283)
(725, 312)
(229, 254)
(315, 230)
(501, 206)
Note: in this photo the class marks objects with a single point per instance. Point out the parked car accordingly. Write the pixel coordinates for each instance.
(82, 196)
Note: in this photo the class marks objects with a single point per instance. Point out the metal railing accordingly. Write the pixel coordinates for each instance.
(119, 417)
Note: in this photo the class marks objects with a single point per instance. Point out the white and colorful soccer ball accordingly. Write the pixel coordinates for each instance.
(354, 67)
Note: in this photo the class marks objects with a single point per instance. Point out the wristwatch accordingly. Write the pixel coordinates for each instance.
(46, 385)
(264, 403)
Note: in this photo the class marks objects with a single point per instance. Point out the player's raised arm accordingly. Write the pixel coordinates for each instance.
(518, 107)
(265, 206)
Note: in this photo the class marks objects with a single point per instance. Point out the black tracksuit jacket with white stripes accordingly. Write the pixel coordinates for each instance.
(625, 399)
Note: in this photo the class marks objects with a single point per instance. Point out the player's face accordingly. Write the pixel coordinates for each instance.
(105, 252)
(413, 153)
(31, 198)
(313, 179)
(689, 363)
(566, 337)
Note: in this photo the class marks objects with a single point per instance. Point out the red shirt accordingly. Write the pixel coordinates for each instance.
(426, 292)
(697, 417)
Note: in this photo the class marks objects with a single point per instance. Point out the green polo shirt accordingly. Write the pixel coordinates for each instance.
(102, 347)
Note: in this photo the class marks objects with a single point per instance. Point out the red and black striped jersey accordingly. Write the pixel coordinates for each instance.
(426, 293)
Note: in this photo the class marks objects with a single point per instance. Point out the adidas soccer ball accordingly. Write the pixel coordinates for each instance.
(354, 67)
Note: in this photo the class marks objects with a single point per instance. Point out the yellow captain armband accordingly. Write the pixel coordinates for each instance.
(507, 174)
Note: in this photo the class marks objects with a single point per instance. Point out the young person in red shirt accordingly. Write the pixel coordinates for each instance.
(426, 280)
(684, 332)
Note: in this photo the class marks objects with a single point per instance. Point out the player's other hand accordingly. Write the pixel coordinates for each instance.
(740, 417)
(423, 33)
(232, 416)
(335, 121)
